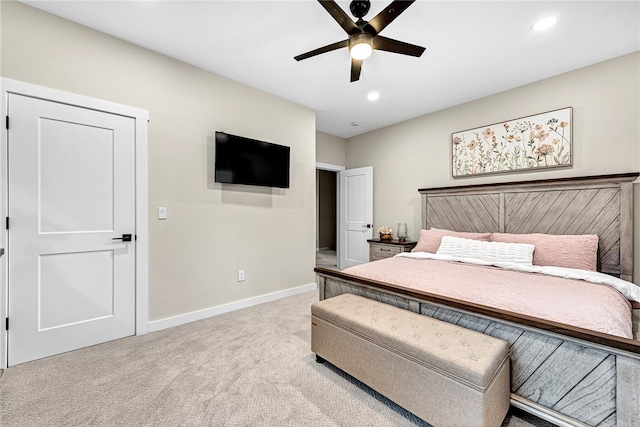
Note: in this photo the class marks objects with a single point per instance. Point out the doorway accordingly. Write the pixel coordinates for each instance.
(326, 233)
(327, 200)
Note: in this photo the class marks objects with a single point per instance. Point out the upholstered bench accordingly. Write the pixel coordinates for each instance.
(445, 374)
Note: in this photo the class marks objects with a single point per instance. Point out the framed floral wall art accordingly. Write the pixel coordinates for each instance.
(529, 143)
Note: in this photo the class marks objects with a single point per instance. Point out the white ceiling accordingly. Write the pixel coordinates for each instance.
(473, 48)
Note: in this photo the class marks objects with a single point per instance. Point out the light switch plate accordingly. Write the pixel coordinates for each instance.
(162, 213)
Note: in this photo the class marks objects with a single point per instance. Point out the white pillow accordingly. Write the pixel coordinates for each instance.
(517, 253)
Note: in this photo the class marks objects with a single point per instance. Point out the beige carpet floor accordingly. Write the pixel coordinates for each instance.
(252, 367)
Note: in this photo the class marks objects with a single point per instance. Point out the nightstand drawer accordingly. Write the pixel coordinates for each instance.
(383, 251)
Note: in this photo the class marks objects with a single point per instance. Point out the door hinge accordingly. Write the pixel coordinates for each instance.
(7, 223)
(6, 324)
(7, 122)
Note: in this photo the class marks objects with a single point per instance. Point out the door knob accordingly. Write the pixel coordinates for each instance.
(124, 238)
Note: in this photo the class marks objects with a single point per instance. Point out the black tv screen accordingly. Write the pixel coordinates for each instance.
(241, 160)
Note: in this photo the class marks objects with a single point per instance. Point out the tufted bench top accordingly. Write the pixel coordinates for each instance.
(464, 355)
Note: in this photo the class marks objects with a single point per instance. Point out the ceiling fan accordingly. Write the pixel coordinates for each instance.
(364, 36)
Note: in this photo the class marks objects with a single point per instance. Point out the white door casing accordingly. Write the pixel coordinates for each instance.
(70, 285)
(356, 215)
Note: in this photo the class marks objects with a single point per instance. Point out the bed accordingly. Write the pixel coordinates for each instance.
(568, 374)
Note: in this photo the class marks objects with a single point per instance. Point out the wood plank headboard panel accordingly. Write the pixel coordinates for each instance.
(601, 205)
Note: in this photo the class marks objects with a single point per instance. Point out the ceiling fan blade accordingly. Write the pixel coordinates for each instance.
(356, 67)
(320, 50)
(396, 46)
(384, 18)
(340, 16)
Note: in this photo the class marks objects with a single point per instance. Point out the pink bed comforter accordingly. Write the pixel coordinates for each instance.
(573, 302)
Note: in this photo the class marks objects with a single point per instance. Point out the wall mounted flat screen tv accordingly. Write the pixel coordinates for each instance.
(241, 160)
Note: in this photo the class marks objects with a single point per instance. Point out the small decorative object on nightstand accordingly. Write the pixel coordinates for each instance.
(402, 231)
(380, 249)
(385, 232)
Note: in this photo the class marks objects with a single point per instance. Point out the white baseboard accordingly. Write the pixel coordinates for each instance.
(170, 322)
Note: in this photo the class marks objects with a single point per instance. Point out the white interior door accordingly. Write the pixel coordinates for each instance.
(356, 215)
(71, 195)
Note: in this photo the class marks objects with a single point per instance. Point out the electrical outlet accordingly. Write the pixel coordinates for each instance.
(240, 275)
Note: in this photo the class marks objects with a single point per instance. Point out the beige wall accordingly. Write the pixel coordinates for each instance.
(415, 154)
(330, 149)
(212, 230)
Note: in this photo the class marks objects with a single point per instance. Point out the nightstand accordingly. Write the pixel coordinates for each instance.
(381, 249)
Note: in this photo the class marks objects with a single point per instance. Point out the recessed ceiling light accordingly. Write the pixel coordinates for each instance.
(544, 24)
(373, 96)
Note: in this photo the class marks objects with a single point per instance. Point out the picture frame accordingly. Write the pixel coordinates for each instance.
(536, 142)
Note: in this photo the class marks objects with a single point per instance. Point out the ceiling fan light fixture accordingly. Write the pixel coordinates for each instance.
(362, 34)
(360, 46)
(361, 51)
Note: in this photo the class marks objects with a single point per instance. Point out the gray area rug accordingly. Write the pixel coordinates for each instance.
(252, 367)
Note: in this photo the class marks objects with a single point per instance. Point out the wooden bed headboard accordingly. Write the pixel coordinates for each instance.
(601, 205)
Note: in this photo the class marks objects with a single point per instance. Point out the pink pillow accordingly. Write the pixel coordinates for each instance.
(429, 240)
(559, 251)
